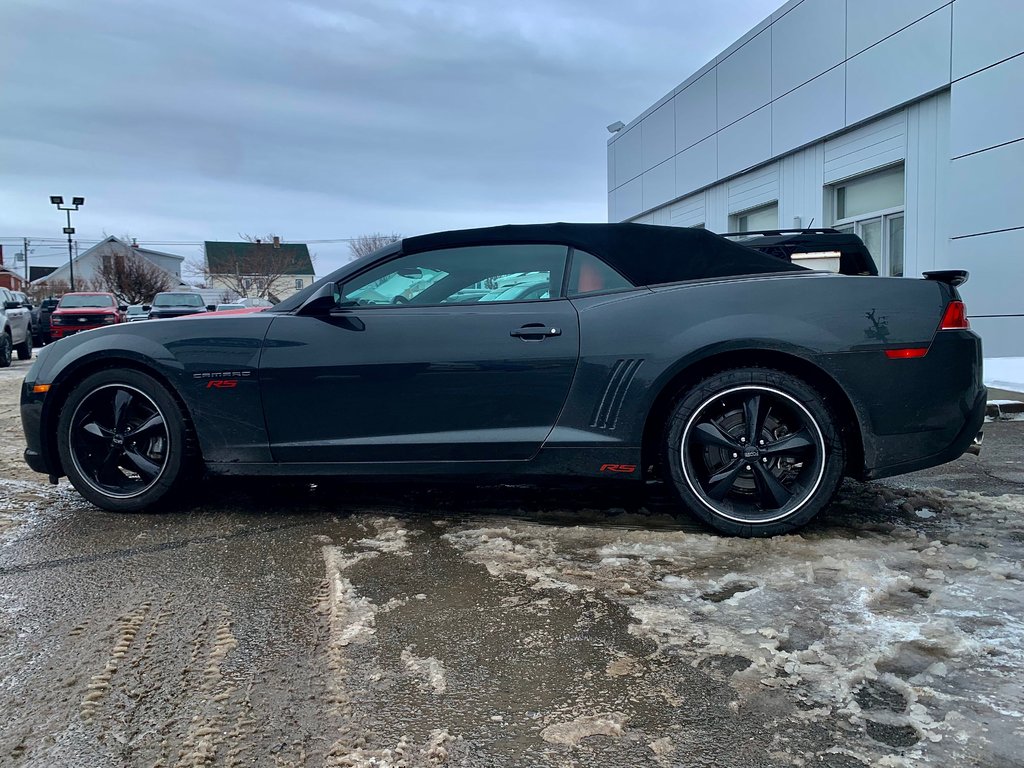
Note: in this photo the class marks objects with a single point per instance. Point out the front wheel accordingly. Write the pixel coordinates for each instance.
(754, 452)
(122, 440)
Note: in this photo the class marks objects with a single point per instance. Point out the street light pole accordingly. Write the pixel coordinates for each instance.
(76, 203)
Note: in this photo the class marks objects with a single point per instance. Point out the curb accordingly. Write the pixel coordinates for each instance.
(1003, 411)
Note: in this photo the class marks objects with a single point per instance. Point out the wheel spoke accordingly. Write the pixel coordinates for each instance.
(122, 400)
(107, 470)
(798, 442)
(773, 494)
(156, 420)
(710, 433)
(722, 482)
(754, 416)
(95, 430)
(148, 469)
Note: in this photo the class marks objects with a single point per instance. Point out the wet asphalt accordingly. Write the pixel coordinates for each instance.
(226, 632)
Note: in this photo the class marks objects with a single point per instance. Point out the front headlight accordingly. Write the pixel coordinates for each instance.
(109, 319)
(56, 320)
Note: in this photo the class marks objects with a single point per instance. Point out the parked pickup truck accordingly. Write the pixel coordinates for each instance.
(17, 333)
(83, 311)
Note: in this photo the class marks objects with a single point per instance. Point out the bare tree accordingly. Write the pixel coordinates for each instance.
(363, 245)
(130, 277)
(47, 289)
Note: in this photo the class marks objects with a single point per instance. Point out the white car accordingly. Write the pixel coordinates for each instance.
(17, 333)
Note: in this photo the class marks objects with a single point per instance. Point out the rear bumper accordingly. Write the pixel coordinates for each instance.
(962, 443)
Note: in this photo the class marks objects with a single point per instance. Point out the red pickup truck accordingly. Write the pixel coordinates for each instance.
(82, 311)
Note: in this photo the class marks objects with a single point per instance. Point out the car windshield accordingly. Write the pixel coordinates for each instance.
(221, 307)
(178, 300)
(135, 309)
(81, 301)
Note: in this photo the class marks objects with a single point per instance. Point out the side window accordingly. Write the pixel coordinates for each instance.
(591, 275)
(486, 273)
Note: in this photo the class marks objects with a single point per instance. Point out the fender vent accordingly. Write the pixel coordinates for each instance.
(606, 412)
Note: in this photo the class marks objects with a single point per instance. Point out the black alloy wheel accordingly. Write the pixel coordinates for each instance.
(121, 438)
(756, 452)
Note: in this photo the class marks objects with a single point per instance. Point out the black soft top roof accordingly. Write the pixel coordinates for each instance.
(645, 254)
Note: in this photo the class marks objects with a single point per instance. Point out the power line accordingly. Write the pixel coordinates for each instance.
(58, 241)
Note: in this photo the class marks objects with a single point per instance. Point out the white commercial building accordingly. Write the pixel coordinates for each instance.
(900, 120)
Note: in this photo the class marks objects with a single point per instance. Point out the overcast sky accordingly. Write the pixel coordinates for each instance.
(199, 119)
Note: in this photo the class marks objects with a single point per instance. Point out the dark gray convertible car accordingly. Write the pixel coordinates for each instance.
(748, 384)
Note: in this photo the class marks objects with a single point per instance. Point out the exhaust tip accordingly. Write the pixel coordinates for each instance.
(975, 446)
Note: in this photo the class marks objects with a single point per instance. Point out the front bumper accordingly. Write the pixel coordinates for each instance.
(60, 331)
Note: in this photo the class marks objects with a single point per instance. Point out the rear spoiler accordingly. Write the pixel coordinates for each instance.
(952, 277)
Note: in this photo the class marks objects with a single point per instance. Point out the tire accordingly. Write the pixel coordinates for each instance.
(100, 449)
(25, 348)
(745, 489)
(5, 350)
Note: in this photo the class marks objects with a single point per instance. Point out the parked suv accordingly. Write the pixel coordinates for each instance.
(178, 304)
(17, 333)
(82, 311)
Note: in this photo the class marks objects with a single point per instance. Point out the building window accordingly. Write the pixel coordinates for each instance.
(298, 283)
(756, 219)
(872, 207)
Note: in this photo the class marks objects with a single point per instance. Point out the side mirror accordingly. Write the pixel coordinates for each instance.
(122, 307)
(323, 301)
(211, 307)
(146, 307)
(12, 305)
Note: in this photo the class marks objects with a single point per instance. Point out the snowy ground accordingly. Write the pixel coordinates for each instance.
(375, 626)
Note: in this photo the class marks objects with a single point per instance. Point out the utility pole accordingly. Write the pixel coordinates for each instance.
(25, 252)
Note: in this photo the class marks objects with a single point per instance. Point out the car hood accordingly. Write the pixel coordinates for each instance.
(85, 311)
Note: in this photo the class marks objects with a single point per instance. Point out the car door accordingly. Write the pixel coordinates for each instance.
(18, 319)
(410, 366)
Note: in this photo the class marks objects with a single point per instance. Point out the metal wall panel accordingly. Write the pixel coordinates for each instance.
(697, 166)
(1000, 336)
(990, 260)
(745, 80)
(986, 193)
(628, 200)
(800, 187)
(753, 189)
(988, 108)
(659, 184)
(871, 21)
(807, 41)
(875, 145)
(696, 111)
(901, 68)
(628, 162)
(926, 174)
(813, 110)
(984, 32)
(658, 135)
(745, 143)
(688, 212)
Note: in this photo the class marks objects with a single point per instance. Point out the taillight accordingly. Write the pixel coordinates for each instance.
(955, 317)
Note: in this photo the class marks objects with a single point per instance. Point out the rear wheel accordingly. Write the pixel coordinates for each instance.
(123, 441)
(754, 452)
(25, 348)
